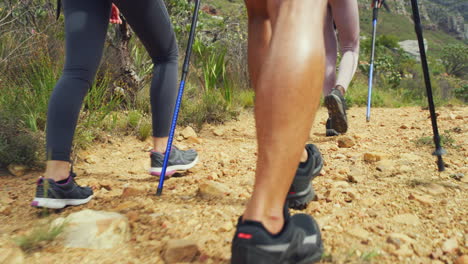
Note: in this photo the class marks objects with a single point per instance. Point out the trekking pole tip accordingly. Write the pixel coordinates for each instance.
(159, 192)
(440, 162)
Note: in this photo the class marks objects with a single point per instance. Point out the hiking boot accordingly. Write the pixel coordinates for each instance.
(179, 160)
(299, 242)
(56, 195)
(302, 191)
(336, 105)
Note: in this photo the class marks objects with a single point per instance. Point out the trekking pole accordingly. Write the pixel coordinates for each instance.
(375, 14)
(439, 151)
(185, 69)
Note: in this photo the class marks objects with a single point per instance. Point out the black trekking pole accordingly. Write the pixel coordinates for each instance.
(375, 14)
(439, 151)
(185, 69)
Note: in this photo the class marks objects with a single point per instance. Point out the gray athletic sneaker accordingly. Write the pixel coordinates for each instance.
(179, 160)
(57, 195)
(336, 105)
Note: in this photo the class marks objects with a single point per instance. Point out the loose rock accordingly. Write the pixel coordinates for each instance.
(450, 246)
(17, 170)
(5, 210)
(188, 132)
(91, 159)
(218, 132)
(345, 142)
(131, 191)
(359, 232)
(434, 189)
(373, 156)
(385, 165)
(194, 140)
(94, 229)
(10, 253)
(408, 219)
(212, 189)
(180, 251)
(423, 199)
(399, 239)
(356, 175)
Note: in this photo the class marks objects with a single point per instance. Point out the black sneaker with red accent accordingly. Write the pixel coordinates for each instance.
(302, 191)
(299, 242)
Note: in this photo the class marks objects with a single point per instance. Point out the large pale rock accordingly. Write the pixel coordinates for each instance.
(94, 229)
(212, 189)
(179, 250)
(10, 253)
(408, 219)
(17, 170)
(188, 132)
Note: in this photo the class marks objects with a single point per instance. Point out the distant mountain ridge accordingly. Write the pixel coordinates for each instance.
(446, 15)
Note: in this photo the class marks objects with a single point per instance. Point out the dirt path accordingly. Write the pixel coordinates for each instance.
(399, 210)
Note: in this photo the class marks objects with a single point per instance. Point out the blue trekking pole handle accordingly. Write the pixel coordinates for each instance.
(185, 69)
(375, 14)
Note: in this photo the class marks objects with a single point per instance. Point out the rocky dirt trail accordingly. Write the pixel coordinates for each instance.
(380, 197)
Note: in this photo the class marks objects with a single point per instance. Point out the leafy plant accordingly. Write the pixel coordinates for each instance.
(455, 59)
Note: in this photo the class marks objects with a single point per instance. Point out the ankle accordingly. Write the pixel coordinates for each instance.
(160, 144)
(273, 221)
(57, 170)
(341, 89)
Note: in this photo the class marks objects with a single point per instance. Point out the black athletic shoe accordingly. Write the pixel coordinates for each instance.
(330, 132)
(56, 195)
(302, 191)
(336, 105)
(299, 242)
(178, 160)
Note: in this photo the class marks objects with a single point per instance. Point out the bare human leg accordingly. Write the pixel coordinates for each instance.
(288, 91)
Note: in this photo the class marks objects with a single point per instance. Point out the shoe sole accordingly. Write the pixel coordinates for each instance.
(300, 200)
(337, 113)
(58, 203)
(156, 171)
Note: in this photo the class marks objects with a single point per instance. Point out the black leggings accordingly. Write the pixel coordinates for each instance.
(86, 24)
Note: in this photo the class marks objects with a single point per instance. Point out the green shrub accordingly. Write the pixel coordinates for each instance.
(144, 130)
(18, 144)
(39, 237)
(209, 107)
(134, 118)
